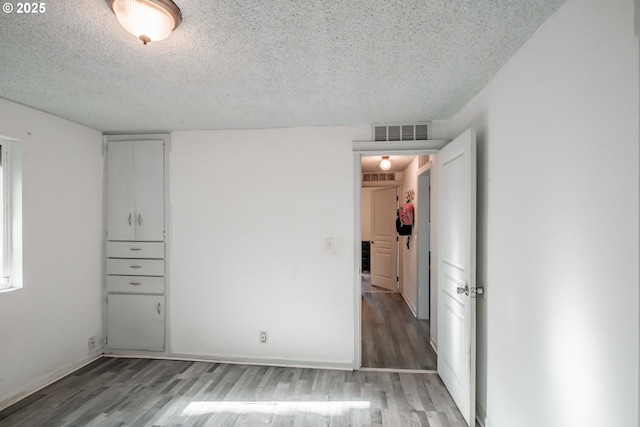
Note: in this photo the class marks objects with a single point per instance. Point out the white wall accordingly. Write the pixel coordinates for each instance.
(251, 211)
(47, 323)
(558, 224)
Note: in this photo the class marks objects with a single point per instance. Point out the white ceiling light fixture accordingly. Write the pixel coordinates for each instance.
(385, 163)
(148, 20)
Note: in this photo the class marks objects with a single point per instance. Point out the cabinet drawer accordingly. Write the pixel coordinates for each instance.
(135, 284)
(135, 267)
(135, 250)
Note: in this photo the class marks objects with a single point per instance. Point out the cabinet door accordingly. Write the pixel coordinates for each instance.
(149, 190)
(120, 191)
(135, 322)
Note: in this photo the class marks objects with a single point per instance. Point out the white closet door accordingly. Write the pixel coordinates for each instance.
(149, 190)
(120, 191)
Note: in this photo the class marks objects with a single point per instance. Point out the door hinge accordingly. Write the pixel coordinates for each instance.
(397, 278)
(397, 239)
(106, 340)
(107, 300)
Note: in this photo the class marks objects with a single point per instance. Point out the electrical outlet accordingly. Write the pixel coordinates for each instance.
(92, 343)
(263, 336)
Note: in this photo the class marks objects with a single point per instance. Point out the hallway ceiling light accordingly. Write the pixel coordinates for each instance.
(148, 20)
(385, 163)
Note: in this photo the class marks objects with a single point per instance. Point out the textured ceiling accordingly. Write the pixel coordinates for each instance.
(259, 64)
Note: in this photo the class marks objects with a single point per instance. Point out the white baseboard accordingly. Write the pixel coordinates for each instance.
(400, 371)
(49, 379)
(413, 309)
(285, 363)
(481, 416)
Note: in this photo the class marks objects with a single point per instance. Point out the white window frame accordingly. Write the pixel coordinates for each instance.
(11, 152)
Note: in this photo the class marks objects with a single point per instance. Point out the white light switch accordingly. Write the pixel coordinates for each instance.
(329, 245)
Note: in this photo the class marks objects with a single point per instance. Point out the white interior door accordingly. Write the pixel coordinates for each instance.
(456, 270)
(384, 252)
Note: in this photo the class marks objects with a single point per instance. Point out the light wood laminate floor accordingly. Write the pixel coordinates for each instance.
(391, 336)
(142, 392)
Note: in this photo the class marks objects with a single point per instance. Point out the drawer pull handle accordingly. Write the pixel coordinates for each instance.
(139, 220)
(135, 283)
(135, 249)
(135, 266)
(158, 308)
(129, 219)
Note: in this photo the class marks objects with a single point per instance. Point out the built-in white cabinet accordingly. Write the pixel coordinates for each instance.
(135, 190)
(135, 322)
(136, 247)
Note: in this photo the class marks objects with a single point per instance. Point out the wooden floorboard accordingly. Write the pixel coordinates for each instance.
(165, 393)
(391, 336)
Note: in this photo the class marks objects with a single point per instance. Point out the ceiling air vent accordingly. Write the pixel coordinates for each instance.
(423, 159)
(375, 176)
(401, 132)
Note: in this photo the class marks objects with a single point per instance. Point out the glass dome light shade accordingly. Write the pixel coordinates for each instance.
(148, 20)
(385, 163)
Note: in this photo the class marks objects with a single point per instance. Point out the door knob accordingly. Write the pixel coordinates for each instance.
(461, 290)
(475, 291)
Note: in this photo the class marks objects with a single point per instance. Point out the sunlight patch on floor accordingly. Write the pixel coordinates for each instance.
(275, 407)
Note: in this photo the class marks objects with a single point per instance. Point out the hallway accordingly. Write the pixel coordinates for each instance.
(391, 336)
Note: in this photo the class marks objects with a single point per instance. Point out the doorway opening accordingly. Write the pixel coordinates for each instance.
(453, 226)
(395, 282)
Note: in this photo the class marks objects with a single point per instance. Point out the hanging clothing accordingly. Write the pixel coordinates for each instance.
(405, 213)
(404, 221)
